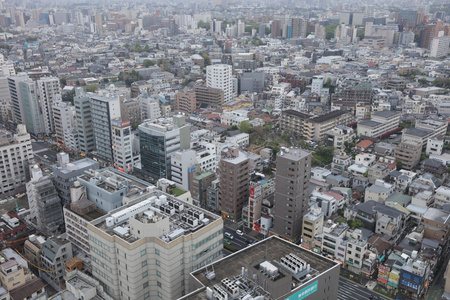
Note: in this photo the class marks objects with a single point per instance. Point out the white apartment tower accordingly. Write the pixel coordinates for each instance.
(220, 77)
(122, 144)
(49, 91)
(63, 119)
(15, 152)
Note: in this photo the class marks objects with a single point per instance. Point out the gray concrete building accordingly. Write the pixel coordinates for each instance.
(103, 110)
(291, 192)
(108, 187)
(270, 269)
(45, 206)
(86, 138)
(65, 174)
(251, 82)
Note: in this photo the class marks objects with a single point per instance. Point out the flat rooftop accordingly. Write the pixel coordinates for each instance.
(272, 250)
(162, 215)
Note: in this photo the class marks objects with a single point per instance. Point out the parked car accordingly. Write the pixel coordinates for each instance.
(239, 232)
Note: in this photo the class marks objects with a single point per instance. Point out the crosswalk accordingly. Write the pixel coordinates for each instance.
(349, 290)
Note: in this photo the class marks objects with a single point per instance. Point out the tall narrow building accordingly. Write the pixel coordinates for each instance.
(15, 152)
(25, 103)
(86, 138)
(49, 92)
(103, 110)
(234, 178)
(291, 192)
(45, 206)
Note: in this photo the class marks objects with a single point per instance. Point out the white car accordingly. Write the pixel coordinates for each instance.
(239, 232)
(229, 235)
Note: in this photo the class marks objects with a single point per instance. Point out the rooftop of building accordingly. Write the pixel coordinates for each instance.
(112, 180)
(175, 218)
(328, 116)
(84, 163)
(437, 215)
(418, 132)
(369, 123)
(268, 252)
(293, 153)
(385, 113)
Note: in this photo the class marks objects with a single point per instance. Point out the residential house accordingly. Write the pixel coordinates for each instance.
(379, 191)
(434, 166)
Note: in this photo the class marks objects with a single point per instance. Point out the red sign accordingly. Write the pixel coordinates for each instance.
(252, 192)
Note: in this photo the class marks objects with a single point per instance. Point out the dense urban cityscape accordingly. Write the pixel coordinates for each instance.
(224, 149)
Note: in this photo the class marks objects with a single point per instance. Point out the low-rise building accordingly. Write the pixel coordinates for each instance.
(379, 191)
(339, 136)
(312, 227)
(55, 253)
(356, 249)
(334, 240)
(408, 153)
(381, 123)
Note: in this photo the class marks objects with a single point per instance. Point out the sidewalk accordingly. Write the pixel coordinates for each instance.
(435, 293)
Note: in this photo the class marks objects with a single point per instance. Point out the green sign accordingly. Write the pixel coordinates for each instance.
(303, 293)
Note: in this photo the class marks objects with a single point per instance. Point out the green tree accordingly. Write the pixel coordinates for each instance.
(148, 63)
(245, 127)
(138, 48)
(63, 80)
(206, 58)
(91, 88)
(234, 127)
(202, 24)
(355, 223)
(68, 97)
(329, 30)
(422, 81)
(147, 48)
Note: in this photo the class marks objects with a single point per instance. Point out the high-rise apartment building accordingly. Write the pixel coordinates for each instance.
(15, 152)
(103, 110)
(45, 205)
(49, 92)
(147, 248)
(234, 175)
(159, 140)
(25, 103)
(124, 157)
(86, 138)
(6, 69)
(291, 192)
(275, 29)
(220, 77)
(98, 20)
(63, 119)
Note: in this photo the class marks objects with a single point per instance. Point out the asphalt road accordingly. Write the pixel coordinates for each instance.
(349, 290)
(238, 242)
(41, 149)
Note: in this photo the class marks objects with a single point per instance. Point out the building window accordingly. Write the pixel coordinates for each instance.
(143, 252)
(145, 285)
(158, 263)
(144, 263)
(159, 295)
(158, 273)
(146, 295)
(157, 251)
(145, 274)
